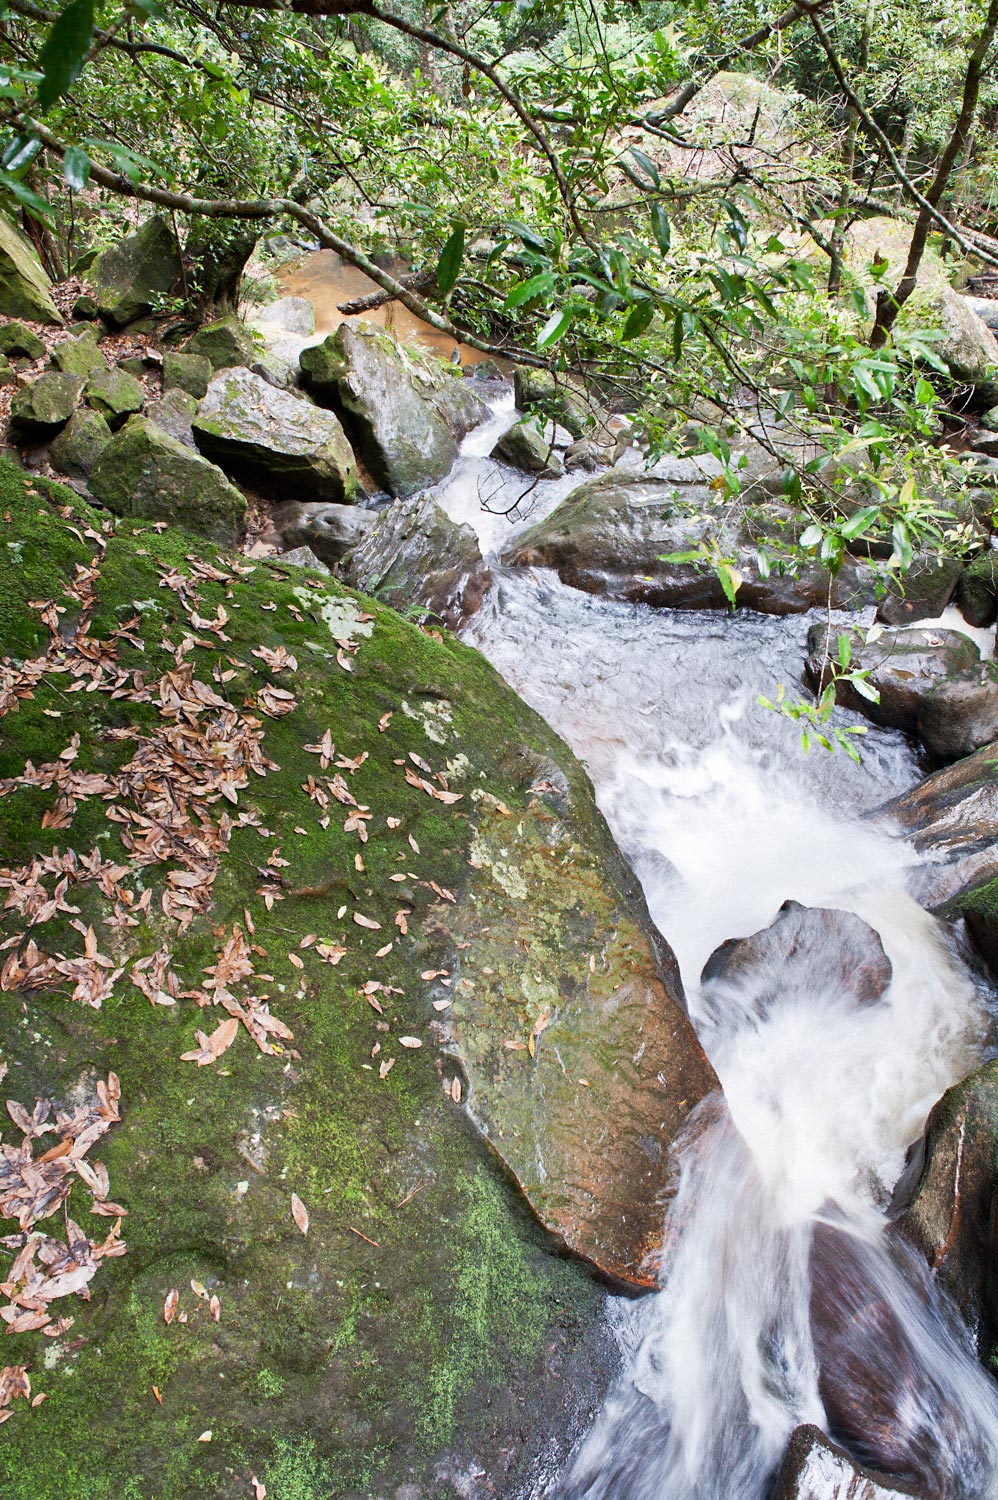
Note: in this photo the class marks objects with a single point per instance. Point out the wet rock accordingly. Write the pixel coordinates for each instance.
(145, 472)
(985, 308)
(132, 276)
(79, 445)
(25, 289)
(115, 394)
(18, 342)
(609, 536)
(977, 589)
(968, 348)
(927, 680)
(524, 446)
(283, 443)
(416, 557)
(803, 950)
(946, 1205)
(559, 397)
(985, 442)
(38, 410)
(186, 371)
(329, 530)
(79, 355)
(923, 593)
(815, 1468)
(224, 343)
(174, 412)
(405, 413)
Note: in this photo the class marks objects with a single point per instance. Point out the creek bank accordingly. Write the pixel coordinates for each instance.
(338, 1362)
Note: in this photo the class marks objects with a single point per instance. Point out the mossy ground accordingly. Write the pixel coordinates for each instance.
(412, 1327)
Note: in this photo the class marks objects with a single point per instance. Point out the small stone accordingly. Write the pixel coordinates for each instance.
(41, 408)
(524, 446)
(989, 421)
(18, 342)
(186, 371)
(79, 355)
(85, 308)
(79, 445)
(115, 394)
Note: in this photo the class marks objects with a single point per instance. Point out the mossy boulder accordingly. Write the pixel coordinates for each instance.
(561, 398)
(281, 443)
(187, 372)
(145, 472)
(968, 348)
(8, 375)
(133, 276)
(620, 535)
(115, 394)
(80, 444)
(19, 342)
(25, 289)
(524, 446)
(977, 589)
(39, 410)
(404, 412)
(224, 343)
(80, 354)
(401, 820)
(175, 412)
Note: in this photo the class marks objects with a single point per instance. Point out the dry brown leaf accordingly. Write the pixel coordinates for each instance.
(409, 1041)
(368, 922)
(170, 1305)
(299, 1213)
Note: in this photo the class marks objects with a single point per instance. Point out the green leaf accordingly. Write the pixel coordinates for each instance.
(730, 580)
(76, 168)
(902, 543)
(860, 522)
(647, 166)
(449, 264)
(638, 319)
(65, 51)
(661, 228)
(864, 688)
(925, 391)
(811, 537)
(555, 328)
(845, 651)
(537, 286)
(682, 557)
(20, 152)
(32, 202)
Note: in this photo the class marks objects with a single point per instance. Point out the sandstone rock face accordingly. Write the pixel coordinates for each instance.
(25, 289)
(405, 413)
(815, 1468)
(609, 537)
(144, 472)
(133, 274)
(415, 556)
(805, 949)
(422, 1330)
(284, 444)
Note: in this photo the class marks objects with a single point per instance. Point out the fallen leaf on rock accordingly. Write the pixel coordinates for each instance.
(386, 1067)
(215, 1307)
(409, 1041)
(368, 922)
(259, 1489)
(205, 1436)
(170, 1305)
(455, 1091)
(299, 1213)
(210, 1048)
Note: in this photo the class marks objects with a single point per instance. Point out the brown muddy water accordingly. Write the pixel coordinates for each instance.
(326, 281)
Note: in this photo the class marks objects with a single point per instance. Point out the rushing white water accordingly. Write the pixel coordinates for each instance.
(784, 1298)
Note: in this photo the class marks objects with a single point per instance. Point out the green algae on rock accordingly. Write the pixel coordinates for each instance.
(134, 274)
(144, 472)
(398, 1341)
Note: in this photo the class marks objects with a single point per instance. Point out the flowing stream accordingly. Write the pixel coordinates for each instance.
(784, 1298)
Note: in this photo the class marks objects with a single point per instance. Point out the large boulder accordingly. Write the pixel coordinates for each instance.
(284, 444)
(803, 947)
(224, 343)
(132, 276)
(977, 589)
(330, 530)
(405, 412)
(968, 348)
(25, 289)
(611, 535)
(932, 684)
(525, 446)
(329, 1268)
(175, 412)
(145, 472)
(417, 558)
(19, 342)
(80, 354)
(115, 394)
(80, 444)
(187, 371)
(815, 1468)
(946, 1205)
(951, 821)
(39, 410)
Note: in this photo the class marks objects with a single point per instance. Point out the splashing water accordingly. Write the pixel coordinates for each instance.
(785, 1298)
